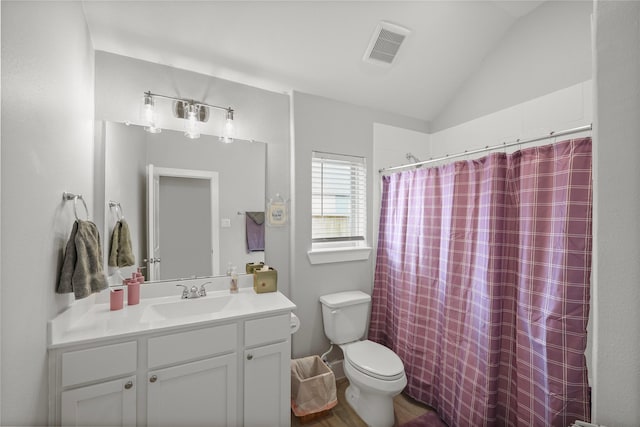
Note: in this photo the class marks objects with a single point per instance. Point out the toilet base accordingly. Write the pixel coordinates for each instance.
(375, 409)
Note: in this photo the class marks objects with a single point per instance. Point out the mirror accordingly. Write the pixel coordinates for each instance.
(239, 168)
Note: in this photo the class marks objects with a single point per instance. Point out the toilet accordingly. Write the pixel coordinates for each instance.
(375, 373)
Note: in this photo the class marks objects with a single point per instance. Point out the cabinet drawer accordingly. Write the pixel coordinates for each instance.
(267, 330)
(97, 363)
(191, 345)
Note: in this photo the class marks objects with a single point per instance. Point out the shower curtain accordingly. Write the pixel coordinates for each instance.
(482, 285)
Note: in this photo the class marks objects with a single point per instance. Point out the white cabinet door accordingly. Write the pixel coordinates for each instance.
(192, 394)
(267, 385)
(111, 403)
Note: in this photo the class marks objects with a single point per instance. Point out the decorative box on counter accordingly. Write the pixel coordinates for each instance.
(251, 267)
(265, 280)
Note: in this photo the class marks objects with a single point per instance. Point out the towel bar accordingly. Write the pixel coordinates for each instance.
(70, 196)
(119, 211)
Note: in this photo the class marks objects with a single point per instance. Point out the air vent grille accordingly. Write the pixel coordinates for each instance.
(385, 43)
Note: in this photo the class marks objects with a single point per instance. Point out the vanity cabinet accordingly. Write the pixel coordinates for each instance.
(267, 385)
(97, 385)
(233, 373)
(110, 403)
(267, 378)
(189, 393)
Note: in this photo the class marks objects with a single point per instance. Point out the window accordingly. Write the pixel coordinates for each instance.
(339, 206)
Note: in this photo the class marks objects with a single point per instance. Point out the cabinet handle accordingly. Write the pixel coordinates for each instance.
(249, 356)
(128, 385)
(153, 379)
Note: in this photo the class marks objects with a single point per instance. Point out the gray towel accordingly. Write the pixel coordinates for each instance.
(81, 271)
(121, 253)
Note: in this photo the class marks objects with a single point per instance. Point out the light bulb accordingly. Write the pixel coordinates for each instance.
(228, 129)
(191, 126)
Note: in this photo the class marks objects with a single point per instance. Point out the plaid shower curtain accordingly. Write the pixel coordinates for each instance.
(482, 285)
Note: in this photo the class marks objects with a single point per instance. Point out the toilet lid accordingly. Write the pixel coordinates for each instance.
(374, 360)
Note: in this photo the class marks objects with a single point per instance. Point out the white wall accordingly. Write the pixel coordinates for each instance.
(47, 148)
(567, 108)
(391, 145)
(547, 50)
(260, 115)
(616, 391)
(326, 125)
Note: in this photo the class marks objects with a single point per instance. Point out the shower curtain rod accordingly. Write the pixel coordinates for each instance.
(493, 147)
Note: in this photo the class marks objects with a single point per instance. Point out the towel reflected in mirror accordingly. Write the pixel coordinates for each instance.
(255, 231)
(121, 252)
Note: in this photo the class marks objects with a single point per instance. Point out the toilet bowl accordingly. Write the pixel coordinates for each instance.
(373, 383)
(375, 373)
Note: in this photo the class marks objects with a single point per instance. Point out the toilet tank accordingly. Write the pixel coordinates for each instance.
(344, 316)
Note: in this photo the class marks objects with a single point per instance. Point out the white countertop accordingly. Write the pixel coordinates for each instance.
(95, 322)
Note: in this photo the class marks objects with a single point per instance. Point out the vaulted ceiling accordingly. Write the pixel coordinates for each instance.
(315, 47)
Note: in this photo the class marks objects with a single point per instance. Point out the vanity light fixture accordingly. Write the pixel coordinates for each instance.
(192, 111)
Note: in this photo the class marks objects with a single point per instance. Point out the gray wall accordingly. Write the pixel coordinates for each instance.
(547, 50)
(260, 115)
(616, 275)
(322, 124)
(47, 148)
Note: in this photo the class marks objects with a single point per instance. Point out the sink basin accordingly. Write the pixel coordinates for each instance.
(187, 307)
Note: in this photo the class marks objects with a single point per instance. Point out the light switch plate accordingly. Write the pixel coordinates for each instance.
(225, 223)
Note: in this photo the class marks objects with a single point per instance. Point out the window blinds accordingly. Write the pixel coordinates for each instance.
(338, 198)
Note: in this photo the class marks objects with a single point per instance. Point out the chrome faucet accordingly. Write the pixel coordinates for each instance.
(203, 291)
(189, 293)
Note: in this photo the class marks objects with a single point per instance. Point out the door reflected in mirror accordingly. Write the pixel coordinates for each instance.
(184, 204)
(172, 244)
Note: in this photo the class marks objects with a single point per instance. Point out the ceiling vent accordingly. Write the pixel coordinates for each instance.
(385, 43)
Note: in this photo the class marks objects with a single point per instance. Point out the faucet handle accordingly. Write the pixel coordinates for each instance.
(185, 291)
(203, 291)
(193, 293)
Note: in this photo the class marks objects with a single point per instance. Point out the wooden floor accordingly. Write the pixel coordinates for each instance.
(342, 415)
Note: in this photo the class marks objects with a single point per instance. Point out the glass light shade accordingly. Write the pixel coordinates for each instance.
(148, 114)
(228, 129)
(191, 126)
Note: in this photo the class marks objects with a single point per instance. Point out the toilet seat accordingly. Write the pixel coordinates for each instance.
(374, 360)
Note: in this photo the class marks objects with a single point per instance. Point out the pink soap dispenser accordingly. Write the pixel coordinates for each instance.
(133, 290)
